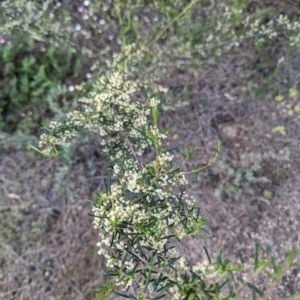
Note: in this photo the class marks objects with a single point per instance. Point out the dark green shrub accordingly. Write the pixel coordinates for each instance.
(33, 81)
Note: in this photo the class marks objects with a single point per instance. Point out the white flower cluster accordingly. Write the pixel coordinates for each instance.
(140, 212)
(224, 35)
(206, 269)
(280, 25)
(38, 19)
(111, 113)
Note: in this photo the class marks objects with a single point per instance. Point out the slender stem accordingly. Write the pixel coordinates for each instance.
(133, 151)
(174, 20)
(131, 147)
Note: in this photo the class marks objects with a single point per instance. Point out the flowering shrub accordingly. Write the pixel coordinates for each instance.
(145, 207)
(142, 209)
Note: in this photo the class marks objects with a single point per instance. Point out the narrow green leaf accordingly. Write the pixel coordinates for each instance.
(125, 296)
(241, 258)
(147, 281)
(164, 288)
(218, 146)
(206, 252)
(158, 297)
(124, 258)
(157, 281)
(256, 255)
(112, 273)
(152, 257)
(255, 289)
(155, 115)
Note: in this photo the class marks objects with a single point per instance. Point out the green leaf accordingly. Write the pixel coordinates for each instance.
(255, 289)
(267, 194)
(279, 129)
(164, 288)
(125, 296)
(291, 256)
(77, 67)
(24, 84)
(104, 290)
(147, 281)
(256, 266)
(206, 252)
(279, 98)
(158, 297)
(7, 53)
(27, 63)
(155, 115)
(41, 75)
(38, 92)
(293, 92)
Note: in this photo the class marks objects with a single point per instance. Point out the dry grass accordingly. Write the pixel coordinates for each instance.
(48, 243)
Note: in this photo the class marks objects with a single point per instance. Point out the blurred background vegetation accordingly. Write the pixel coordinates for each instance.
(229, 77)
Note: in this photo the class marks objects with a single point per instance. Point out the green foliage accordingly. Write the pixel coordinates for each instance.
(235, 179)
(32, 77)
